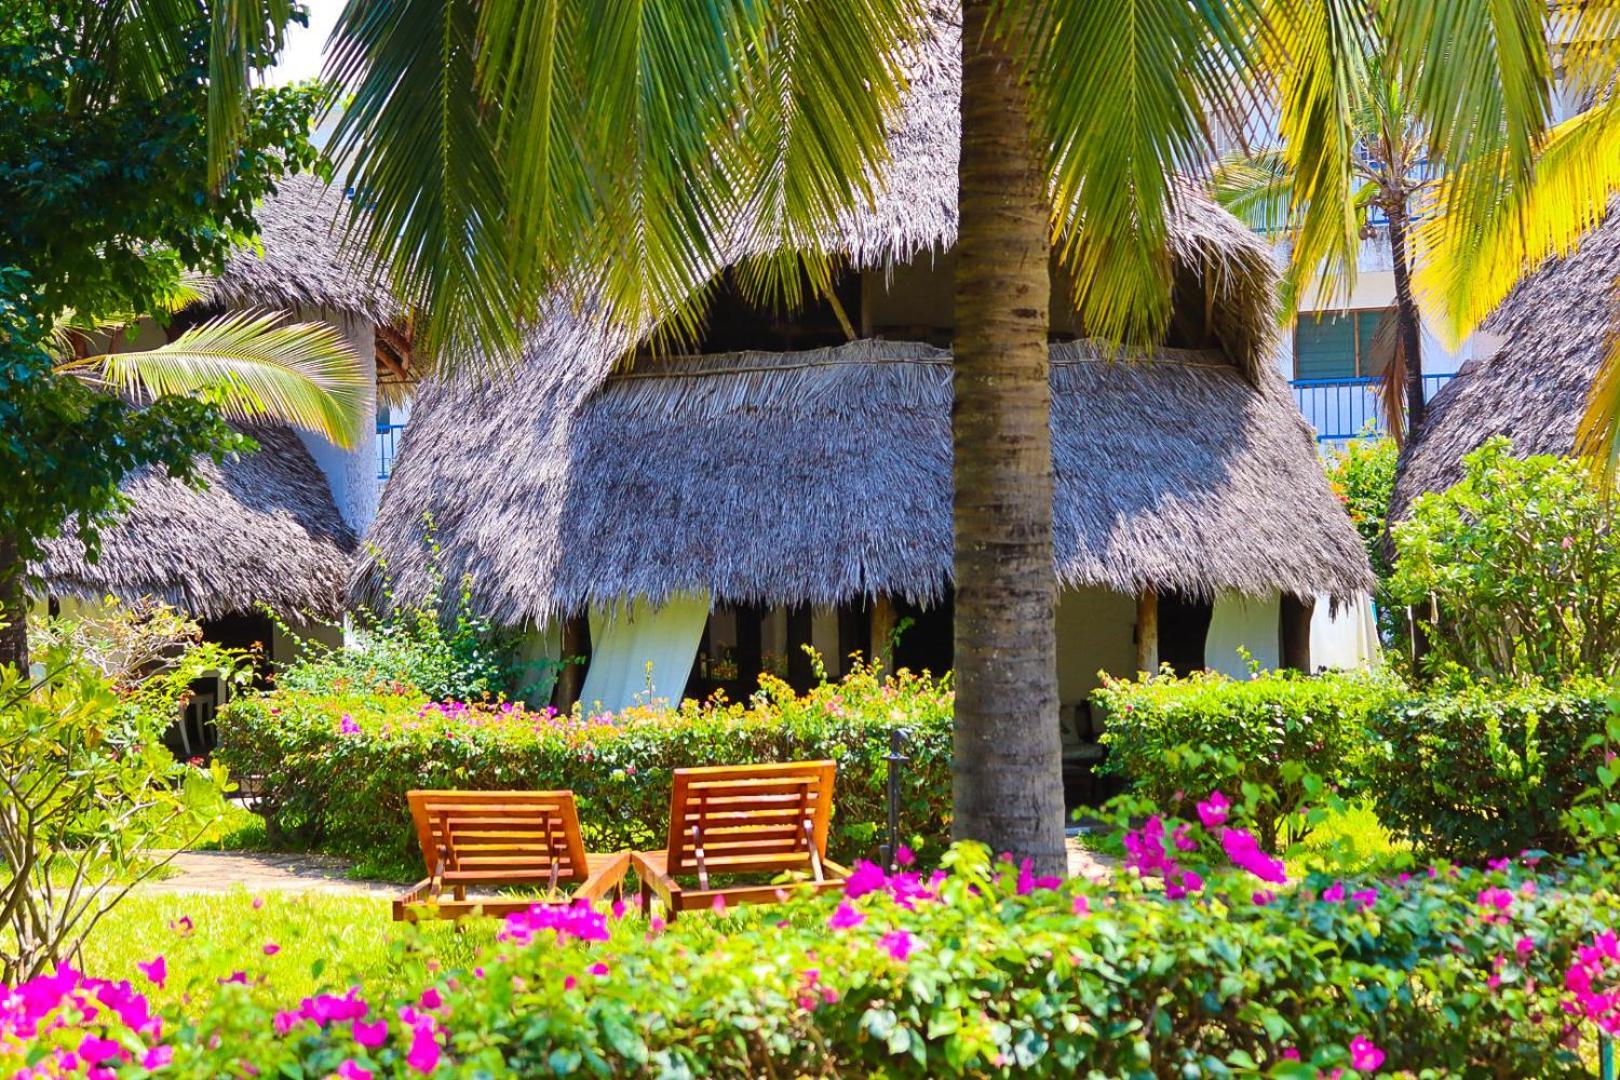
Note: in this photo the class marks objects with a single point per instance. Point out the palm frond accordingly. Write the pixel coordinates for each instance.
(254, 367)
(1124, 94)
(244, 36)
(1468, 266)
(1258, 188)
(1598, 434)
(418, 150)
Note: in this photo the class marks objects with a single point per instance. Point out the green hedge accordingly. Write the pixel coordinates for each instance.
(1178, 738)
(1486, 771)
(344, 791)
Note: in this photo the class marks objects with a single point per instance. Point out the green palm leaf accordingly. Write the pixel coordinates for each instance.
(254, 367)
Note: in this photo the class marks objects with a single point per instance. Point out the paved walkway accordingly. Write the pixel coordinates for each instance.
(222, 871)
(1088, 864)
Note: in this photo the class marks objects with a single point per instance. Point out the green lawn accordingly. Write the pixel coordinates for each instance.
(321, 941)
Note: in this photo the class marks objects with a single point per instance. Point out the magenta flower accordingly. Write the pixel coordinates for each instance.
(430, 998)
(904, 856)
(1244, 851)
(157, 1057)
(719, 905)
(1333, 893)
(1362, 899)
(1365, 1055)
(1181, 836)
(271, 948)
(1081, 906)
(371, 1036)
(155, 969)
(1525, 946)
(1029, 881)
(182, 926)
(897, 943)
(846, 917)
(1262, 897)
(347, 726)
(867, 877)
(599, 968)
(353, 1070)
(423, 1056)
(1212, 811)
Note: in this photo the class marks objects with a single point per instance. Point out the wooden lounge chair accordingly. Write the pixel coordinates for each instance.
(489, 839)
(744, 819)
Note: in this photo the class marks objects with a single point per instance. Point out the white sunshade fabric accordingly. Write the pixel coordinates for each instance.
(1344, 640)
(641, 653)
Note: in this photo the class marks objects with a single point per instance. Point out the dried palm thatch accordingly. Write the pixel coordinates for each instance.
(264, 530)
(825, 475)
(1554, 329)
(304, 262)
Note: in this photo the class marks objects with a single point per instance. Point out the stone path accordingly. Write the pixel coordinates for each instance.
(1089, 864)
(222, 871)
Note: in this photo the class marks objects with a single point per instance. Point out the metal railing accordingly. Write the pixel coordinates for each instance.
(1346, 408)
(387, 446)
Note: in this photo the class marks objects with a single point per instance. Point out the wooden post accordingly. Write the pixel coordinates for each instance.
(576, 647)
(1295, 631)
(1147, 632)
(883, 624)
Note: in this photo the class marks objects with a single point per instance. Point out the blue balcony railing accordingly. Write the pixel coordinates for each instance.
(387, 446)
(1345, 408)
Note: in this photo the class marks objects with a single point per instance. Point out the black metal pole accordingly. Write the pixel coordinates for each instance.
(895, 757)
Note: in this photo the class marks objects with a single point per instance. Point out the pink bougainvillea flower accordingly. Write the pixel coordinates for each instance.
(430, 998)
(157, 1057)
(371, 1035)
(182, 926)
(897, 943)
(1081, 906)
(423, 1056)
(1029, 881)
(1525, 946)
(285, 1020)
(1262, 897)
(1213, 810)
(271, 948)
(347, 726)
(1244, 851)
(1181, 836)
(353, 1070)
(719, 905)
(155, 969)
(599, 968)
(258, 902)
(95, 1050)
(845, 917)
(904, 856)
(867, 877)
(619, 908)
(1334, 893)
(233, 977)
(1362, 899)
(1495, 903)
(570, 982)
(1496, 866)
(1365, 1056)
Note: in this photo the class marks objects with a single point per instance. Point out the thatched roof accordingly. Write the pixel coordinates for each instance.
(264, 531)
(823, 476)
(304, 261)
(1554, 329)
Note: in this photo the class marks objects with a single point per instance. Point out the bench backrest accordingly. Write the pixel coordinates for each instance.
(750, 817)
(517, 834)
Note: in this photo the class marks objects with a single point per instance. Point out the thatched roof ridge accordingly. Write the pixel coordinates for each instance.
(265, 530)
(305, 262)
(1554, 330)
(825, 475)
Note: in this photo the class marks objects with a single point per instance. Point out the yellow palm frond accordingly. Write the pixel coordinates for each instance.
(254, 367)
(1469, 267)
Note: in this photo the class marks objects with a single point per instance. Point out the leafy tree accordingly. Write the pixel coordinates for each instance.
(518, 146)
(112, 186)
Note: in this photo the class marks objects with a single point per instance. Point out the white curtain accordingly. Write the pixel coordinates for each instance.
(643, 653)
(1346, 640)
(1247, 622)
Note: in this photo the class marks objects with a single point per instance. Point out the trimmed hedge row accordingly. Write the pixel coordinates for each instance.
(1470, 772)
(333, 770)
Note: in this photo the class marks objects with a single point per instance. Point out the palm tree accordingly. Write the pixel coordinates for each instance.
(1516, 220)
(1389, 177)
(512, 148)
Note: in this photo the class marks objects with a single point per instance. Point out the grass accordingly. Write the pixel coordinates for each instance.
(322, 941)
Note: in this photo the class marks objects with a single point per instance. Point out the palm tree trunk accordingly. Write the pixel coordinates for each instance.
(1408, 323)
(1008, 789)
(13, 606)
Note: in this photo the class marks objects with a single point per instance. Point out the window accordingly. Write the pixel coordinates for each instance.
(1337, 344)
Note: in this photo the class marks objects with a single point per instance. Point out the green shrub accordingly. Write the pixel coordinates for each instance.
(1362, 475)
(1178, 738)
(1484, 771)
(1521, 563)
(437, 646)
(345, 792)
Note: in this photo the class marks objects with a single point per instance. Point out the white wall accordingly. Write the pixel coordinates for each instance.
(351, 474)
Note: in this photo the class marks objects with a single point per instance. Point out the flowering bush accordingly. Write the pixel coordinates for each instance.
(334, 770)
(1480, 771)
(1175, 737)
(980, 969)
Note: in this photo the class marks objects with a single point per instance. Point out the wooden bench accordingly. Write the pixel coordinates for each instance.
(743, 819)
(492, 839)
